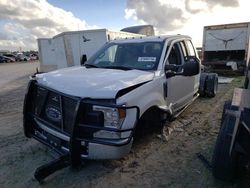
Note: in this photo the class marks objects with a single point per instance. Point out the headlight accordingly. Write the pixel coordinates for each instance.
(113, 117)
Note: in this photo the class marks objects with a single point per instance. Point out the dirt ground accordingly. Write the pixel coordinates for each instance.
(153, 161)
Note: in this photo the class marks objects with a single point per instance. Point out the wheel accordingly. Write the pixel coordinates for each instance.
(202, 86)
(225, 165)
(211, 86)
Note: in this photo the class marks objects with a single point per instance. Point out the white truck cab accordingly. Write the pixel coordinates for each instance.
(91, 111)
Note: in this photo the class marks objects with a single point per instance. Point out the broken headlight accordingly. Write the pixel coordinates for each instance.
(113, 117)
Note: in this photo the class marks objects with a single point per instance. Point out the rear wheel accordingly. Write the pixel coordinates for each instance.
(202, 86)
(211, 84)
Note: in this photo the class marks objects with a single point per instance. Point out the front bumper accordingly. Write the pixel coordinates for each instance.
(71, 136)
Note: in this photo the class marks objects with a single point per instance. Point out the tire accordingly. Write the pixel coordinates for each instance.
(226, 106)
(224, 165)
(211, 86)
(202, 87)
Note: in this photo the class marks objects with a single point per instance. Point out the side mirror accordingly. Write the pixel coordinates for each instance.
(191, 67)
(172, 70)
(170, 74)
(83, 59)
(171, 67)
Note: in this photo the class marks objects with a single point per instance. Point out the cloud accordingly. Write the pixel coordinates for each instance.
(195, 6)
(28, 20)
(169, 15)
(3, 36)
(154, 12)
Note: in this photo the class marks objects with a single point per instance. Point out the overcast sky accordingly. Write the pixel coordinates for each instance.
(23, 21)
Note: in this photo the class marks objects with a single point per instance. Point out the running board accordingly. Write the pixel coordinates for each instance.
(184, 108)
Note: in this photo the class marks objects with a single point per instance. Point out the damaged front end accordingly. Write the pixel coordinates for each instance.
(78, 128)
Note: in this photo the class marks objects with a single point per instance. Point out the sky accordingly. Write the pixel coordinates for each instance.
(23, 21)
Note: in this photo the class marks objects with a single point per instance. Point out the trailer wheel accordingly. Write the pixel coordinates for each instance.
(211, 84)
(224, 164)
(202, 87)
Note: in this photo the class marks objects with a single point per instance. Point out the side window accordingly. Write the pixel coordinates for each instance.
(174, 56)
(184, 50)
(190, 47)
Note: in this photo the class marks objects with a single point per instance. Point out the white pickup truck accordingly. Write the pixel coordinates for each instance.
(91, 111)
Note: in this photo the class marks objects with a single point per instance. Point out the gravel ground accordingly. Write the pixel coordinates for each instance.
(153, 161)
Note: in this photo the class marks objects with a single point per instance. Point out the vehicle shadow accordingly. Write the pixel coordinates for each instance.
(99, 172)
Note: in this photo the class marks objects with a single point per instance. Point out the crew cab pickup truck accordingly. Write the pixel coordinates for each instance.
(91, 111)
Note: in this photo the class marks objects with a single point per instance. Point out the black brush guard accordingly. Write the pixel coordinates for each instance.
(72, 156)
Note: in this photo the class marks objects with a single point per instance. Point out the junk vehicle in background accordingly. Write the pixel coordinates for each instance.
(232, 148)
(92, 111)
(67, 48)
(147, 30)
(226, 47)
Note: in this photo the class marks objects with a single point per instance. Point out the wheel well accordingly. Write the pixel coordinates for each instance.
(150, 121)
(152, 114)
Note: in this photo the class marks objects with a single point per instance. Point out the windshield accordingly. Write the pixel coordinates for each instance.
(142, 56)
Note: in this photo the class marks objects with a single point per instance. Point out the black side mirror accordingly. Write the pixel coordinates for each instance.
(83, 59)
(171, 67)
(172, 70)
(170, 74)
(191, 67)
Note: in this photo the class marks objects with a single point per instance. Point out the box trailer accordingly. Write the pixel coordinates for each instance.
(226, 47)
(67, 48)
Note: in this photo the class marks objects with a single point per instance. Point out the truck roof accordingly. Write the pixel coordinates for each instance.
(159, 38)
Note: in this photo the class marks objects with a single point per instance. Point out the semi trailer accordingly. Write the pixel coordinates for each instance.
(226, 47)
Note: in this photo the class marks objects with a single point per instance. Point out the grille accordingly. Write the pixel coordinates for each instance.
(52, 112)
(54, 108)
(69, 106)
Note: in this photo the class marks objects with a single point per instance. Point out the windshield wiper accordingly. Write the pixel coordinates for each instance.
(90, 66)
(117, 67)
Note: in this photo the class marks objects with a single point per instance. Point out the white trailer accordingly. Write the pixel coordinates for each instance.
(226, 47)
(67, 48)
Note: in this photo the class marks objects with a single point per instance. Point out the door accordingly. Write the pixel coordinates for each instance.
(180, 88)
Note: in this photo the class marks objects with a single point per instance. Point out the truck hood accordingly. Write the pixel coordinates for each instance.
(92, 82)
